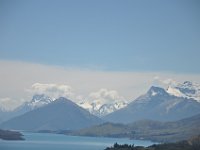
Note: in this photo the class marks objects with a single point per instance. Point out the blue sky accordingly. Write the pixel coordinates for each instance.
(84, 47)
(113, 35)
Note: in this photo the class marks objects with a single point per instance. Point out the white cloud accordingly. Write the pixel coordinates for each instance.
(16, 77)
(164, 82)
(53, 90)
(8, 104)
(105, 96)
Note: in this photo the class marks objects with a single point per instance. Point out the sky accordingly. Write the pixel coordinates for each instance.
(90, 45)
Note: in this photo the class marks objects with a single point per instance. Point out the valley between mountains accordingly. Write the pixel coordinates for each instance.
(162, 115)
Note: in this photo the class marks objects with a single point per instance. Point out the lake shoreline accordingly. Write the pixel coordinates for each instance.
(51, 141)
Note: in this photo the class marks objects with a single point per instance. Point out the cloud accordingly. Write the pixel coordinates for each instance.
(17, 77)
(105, 96)
(52, 90)
(59, 90)
(8, 104)
(164, 82)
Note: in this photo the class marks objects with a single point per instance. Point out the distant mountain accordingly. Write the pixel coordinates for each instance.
(156, 104)
(61, 114)
(96, 108)
(147, 130)
(100, 109)
(186, 89)
(37, 101)
(4, 115)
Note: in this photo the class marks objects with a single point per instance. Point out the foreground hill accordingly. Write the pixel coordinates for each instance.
(148, 130)
(61, 114)
(156, 104)
(191, 144)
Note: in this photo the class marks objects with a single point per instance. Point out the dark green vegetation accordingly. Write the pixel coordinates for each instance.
(10, 135)
(192, 144)
(147, 130)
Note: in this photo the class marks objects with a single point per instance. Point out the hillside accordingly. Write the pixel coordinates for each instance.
(148, 130)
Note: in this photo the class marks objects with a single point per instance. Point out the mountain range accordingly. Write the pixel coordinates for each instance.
(61, 114)
(156, 104)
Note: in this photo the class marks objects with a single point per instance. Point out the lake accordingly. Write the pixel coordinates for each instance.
(46, 141)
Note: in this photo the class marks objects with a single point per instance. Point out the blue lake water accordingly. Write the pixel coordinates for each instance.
(46, 141)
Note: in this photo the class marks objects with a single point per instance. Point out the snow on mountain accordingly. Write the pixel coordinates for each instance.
(96, 107)
(186, 89)
(103, 102)
(156, 104)
(101, 109)
(99, 106)
(39, 101)
(61, 114)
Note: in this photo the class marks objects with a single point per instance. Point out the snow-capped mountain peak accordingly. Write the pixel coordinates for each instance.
(39, 100)
(101, 109)
(186, 89)
(174, 91)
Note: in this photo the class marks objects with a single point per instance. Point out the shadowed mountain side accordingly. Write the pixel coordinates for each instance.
(61, 114)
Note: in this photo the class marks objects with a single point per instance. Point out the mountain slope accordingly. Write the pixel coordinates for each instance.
(156, 104)
(61, 114)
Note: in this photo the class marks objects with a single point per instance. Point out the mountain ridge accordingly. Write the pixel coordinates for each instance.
(156, 104)
(61, 114)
